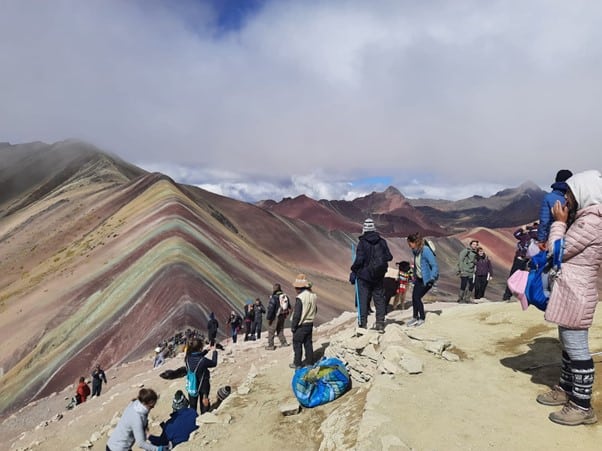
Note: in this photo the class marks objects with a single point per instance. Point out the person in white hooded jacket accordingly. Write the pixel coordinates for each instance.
(574, 296)
(133, 424)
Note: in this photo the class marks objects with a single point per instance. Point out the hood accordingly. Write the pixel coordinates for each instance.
(140, 408)
(587, 188)
(371, 237)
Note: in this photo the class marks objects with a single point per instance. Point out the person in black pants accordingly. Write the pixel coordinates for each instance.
(302, 323)
(98, 376)
(196, 360)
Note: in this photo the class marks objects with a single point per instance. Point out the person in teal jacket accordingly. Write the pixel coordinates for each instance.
(426, 273)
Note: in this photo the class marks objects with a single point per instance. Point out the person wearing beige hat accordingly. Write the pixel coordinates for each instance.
(302, 322)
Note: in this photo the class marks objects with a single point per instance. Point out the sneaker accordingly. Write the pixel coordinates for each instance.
(573, 415)
(555, 397)
(419, 323)
(411, 322)
(284, 345)
(270, 348)
(296, 367)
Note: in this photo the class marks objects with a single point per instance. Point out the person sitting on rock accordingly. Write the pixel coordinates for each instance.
(81, 393)
(181, 424)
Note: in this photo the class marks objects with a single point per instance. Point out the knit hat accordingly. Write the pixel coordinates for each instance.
(179, 401)
(223, 392)
(563, 175)
(301, 281)
(369, 225)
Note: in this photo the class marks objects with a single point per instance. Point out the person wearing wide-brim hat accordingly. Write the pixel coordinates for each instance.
(302, 322)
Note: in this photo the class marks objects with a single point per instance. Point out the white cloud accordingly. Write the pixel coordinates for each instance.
(474, 94)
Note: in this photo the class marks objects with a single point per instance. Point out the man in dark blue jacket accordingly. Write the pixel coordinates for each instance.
(369, 269)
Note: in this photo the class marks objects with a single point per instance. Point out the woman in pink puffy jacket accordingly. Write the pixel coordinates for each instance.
(575, 295)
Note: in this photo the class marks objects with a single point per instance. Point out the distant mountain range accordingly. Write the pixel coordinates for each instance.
(101, 259)
(394, 214)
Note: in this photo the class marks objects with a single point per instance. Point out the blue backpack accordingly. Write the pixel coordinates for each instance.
(543, 269)
(192, 386)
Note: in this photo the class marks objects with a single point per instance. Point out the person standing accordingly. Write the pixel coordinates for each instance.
(276, 315)
(521, 260)
(212, 327)
(249, 311)
(369, 269)
(574, 298)
(133, 424)
(466, 270)
(98, 376)
(196, 361)
(426, 273)
(559, 189)
(235, 321)
(258, 311)
(302, 323)
(483, 273)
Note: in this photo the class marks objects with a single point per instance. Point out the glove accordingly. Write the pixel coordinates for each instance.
(430, 284)
(352, 278)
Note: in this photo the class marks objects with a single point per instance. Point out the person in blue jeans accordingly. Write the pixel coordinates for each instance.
(426, 273)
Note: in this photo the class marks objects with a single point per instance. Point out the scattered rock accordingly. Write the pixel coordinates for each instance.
(450, 356)
(292, 408)
(411, 364)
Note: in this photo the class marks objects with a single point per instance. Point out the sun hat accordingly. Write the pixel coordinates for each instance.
(301, 281)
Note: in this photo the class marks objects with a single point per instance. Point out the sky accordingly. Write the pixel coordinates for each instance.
(258, 99)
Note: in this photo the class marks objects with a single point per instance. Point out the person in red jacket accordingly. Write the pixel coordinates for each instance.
(81, 393)
(83, 390)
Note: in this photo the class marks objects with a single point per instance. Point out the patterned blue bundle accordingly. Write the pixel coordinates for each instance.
(323, 382)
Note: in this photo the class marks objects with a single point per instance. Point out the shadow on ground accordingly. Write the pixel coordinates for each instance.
(541, 361)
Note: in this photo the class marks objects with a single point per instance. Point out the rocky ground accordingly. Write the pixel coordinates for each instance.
(467, 379)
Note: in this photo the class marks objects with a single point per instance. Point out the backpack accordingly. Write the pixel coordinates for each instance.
(285, 304)
(378, 263)
(431, 245)
(192, 386)
(533, 287)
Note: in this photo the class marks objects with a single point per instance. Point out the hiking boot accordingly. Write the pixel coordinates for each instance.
(411, 322)
(573, 415)
(270, 348)
(294, 366)
(555, 397)
(379, 327)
